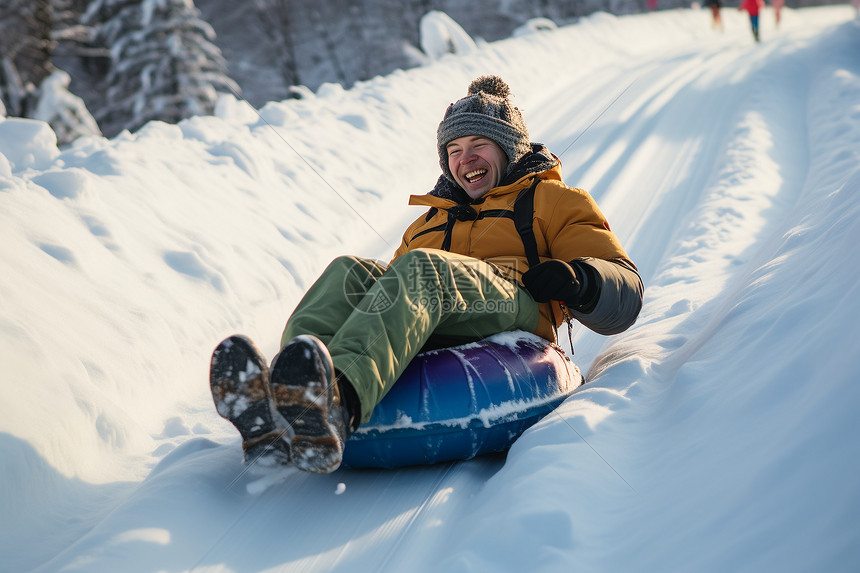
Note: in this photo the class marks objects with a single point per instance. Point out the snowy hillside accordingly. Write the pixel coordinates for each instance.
(717, 434)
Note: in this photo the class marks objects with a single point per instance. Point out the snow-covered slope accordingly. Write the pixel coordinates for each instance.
(715, 435)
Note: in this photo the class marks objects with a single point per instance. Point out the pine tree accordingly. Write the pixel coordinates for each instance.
(65, 112)
(324, 22)
(277, 19)
(30, 84)
(71, 37)
(25, 53)
(164, 64)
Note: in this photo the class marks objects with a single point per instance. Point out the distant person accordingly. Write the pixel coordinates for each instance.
(652, 5)
(777, 10)
(716, 21)
(504, 245)
(753, 8)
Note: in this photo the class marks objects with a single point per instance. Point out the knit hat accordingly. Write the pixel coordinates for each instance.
(484, 111)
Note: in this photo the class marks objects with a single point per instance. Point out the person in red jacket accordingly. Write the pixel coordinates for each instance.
(753, 7)
(715, 5)
(777, 10)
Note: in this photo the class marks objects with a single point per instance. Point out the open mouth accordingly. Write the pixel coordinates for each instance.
(476, 175)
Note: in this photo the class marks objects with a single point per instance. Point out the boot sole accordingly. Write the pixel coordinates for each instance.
(302, 398)
(239, 381)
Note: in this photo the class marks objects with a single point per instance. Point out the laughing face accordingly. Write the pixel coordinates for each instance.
(477, 163)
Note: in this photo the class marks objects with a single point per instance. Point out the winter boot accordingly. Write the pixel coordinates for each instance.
(239, 380)
(306, 396)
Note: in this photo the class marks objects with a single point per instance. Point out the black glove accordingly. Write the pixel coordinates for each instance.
(553, 280)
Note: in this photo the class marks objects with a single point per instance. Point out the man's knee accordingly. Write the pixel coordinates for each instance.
(425, 260)
(415, 255)
(342, 261)
(427, 268)
(353, 267)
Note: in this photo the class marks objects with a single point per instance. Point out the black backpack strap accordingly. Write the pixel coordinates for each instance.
(524, 210)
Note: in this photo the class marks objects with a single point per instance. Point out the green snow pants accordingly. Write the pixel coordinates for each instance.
(375, 318)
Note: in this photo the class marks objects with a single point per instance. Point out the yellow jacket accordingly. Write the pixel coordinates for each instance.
(567, 225)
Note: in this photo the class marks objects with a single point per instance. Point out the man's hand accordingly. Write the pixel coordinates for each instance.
(553, 280)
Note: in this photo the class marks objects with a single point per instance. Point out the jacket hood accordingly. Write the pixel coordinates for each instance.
(539, 160)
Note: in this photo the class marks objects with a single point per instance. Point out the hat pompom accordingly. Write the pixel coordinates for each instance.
(490, 85)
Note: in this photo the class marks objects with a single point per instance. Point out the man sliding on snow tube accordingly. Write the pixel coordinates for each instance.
(505, 245)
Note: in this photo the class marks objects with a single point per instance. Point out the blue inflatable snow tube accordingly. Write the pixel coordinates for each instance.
(457, 403)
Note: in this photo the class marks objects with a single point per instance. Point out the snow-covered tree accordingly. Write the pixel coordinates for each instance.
(63, 111)
(30, 84)
(25, 53)
(441, 35)
(71, 37)
(330, 30)
(164, 64)
(277, 19)
(382, 31)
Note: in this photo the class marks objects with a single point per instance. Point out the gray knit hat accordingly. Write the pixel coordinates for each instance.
(485, 111)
